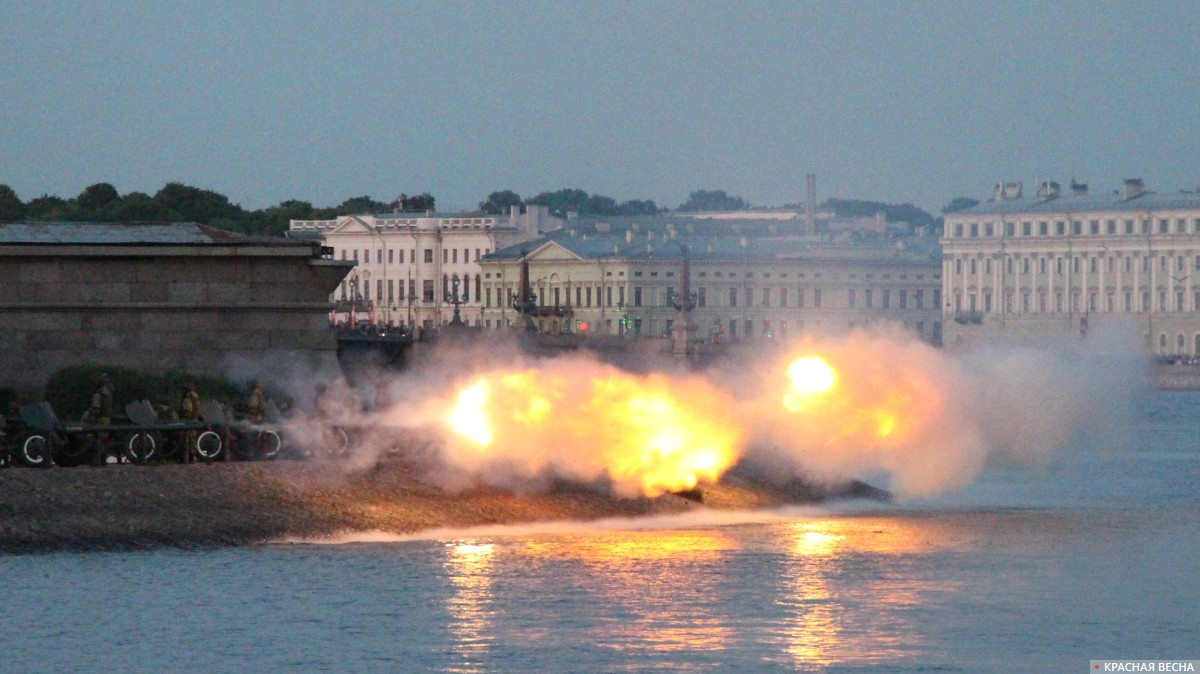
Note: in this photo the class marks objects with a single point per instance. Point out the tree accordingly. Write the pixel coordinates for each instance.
(359, 206)
(500, 202)
(959, 204)
(50, 208)
(415, 204)
(712, 200)
(134, 207)
(95, 198)
(11, 208)
(639, 207)
(859, 208)
(196, 205)
(561, 202)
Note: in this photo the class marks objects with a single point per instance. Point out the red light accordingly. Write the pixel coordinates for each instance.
(583, 327)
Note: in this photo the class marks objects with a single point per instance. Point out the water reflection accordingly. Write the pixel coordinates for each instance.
(660, 586)
(469, 568)
(846, 597)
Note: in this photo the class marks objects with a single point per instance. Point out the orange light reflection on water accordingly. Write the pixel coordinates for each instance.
(834, 622)
(469, 568)
(654, 578)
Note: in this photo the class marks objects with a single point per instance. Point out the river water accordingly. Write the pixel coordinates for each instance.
(1093, 556)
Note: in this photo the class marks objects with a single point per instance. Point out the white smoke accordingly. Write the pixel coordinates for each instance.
(929, 419)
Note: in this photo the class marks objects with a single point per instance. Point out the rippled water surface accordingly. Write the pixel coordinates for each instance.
(1094, 556)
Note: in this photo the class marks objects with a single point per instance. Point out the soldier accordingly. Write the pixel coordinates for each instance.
(189, 410)
(99, 413)
(256, 406)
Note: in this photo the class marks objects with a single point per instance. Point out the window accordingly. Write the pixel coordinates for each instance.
(869, 297)
(919, 298)
(958, 266)
(733, 297)
(578, 296)
(391, 255)
(1094, 226)
(783, 300)
(1026, 228)
(903, 298)
(958, 229)
(1129, 226)
(749, 297)
(429, 256)
(455, 256)
(987, 229)
(427, 288)
(766, 300)
(974, 230)
(587, 296)
(974, 266)
(608, 296)
(1076, 227)
(445, 256)
(816, 298)
(1042, 228)
(800, 297)
(1060, 228)
(1025, 266)
(487, 297)
(702, 297)
(852, 298)
(379, 288)
(637, 296)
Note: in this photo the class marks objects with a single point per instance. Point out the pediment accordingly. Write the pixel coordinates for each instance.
(352, 224)
(550, 252)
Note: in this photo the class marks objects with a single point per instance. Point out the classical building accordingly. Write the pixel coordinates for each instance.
(748, 279)
(1061, 261)
(159, 297)
(411, 264)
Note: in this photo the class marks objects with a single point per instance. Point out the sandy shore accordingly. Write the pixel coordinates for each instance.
(124, 507)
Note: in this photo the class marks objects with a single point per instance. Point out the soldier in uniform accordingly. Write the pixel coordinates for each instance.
(256, 406)
(189, 410)
(99, 413)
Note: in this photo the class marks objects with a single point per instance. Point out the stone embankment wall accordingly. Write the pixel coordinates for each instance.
(192, 308)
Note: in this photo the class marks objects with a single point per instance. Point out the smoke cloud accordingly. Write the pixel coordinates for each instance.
(927, 420)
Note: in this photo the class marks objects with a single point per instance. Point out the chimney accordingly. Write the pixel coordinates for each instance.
(1048, 189)
(1078, 189)
(810, 205)
(1132, 188)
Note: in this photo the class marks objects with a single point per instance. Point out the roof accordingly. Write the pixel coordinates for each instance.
(139, 234)
(666, 239)
(1086, 203)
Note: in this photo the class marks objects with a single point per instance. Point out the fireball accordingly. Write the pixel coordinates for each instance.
(644, 435)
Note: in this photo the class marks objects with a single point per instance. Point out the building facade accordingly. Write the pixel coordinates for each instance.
(159, 297)
(1062, 261)
(410, 266)
(748, 279)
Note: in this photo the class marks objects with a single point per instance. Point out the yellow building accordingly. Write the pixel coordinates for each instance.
(748, 279)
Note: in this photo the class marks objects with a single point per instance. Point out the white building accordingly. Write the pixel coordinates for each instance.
(408, 263)
(1058, 262)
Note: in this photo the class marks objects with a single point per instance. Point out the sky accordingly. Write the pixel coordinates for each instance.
(903, 102)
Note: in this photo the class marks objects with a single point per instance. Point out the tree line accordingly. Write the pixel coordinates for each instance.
(177, 202)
